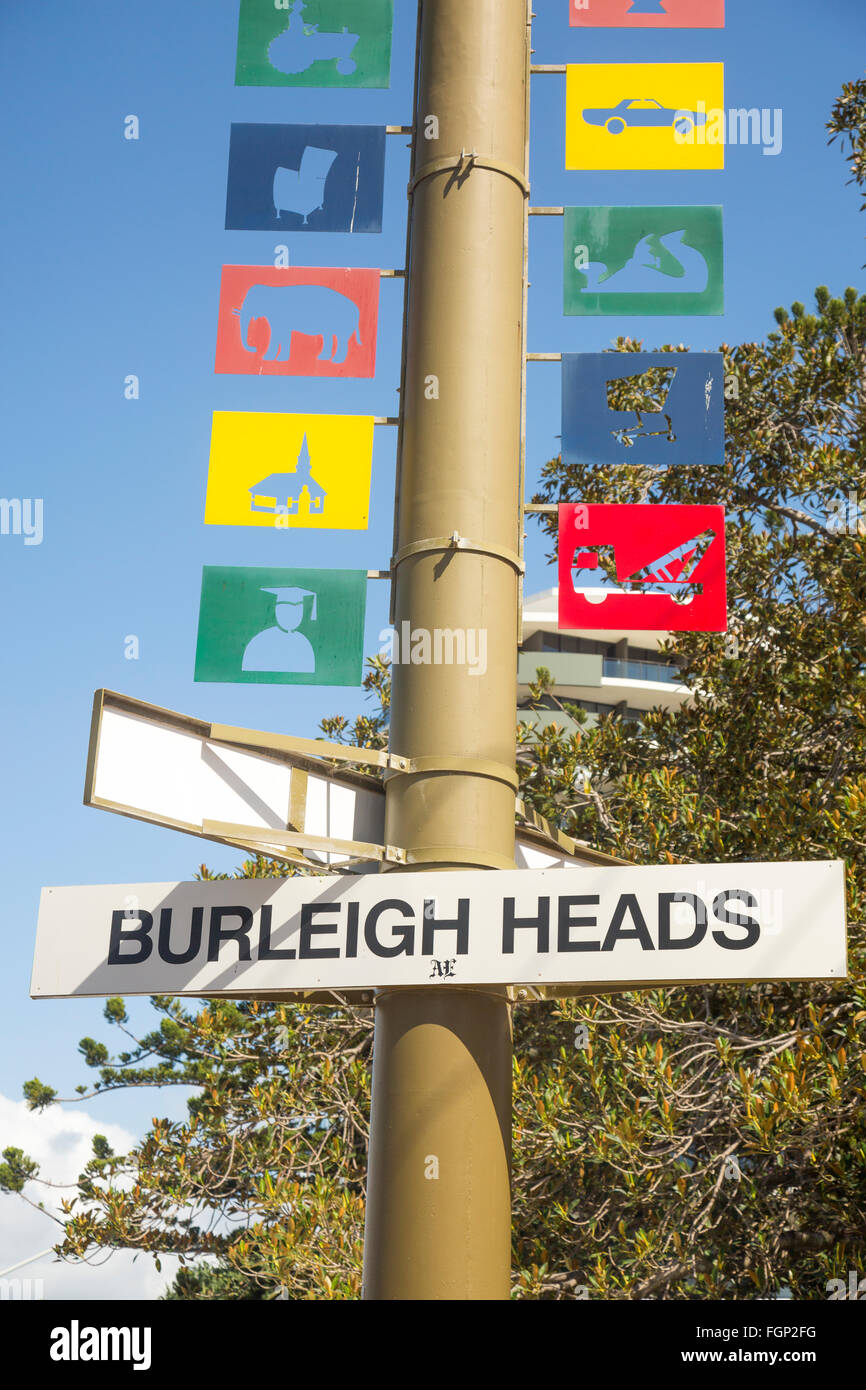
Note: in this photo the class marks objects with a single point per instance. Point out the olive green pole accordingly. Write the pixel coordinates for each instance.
(439, 1200)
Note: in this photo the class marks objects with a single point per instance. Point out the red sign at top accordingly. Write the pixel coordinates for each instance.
(642, 568)
(647, 14)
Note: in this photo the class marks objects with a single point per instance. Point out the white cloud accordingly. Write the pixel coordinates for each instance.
(60, 1142)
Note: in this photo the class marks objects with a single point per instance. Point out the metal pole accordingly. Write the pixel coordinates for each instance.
(438, 1202)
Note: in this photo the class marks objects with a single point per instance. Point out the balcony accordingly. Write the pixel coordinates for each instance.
(641, 671)
(570, 670)
(580, 670)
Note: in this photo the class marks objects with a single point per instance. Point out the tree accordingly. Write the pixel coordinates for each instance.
(848, 122)
(701, 1142)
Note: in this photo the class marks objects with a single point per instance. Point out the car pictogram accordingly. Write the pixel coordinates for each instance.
(643, 113)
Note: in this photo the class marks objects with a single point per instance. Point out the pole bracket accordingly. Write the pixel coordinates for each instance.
(463, 162)
(263, 840)
(477, 767)
(457, 854)
(311, 749)
(457, 542)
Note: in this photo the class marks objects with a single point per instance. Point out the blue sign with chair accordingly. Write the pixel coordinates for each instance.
(306, 178)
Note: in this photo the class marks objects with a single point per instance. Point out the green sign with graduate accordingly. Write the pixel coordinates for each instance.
(315, 43)
(281, 626)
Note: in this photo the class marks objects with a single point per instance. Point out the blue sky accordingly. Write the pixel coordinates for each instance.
(111, 265)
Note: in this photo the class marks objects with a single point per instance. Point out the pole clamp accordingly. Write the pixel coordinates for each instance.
(463, 162)
(477, 767)
(457, 542)
(454, 854)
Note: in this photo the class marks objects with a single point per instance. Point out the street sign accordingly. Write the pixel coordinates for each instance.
(642, 567)
(285, 471)
(647, 14)
(169, 769)
(234, 786)
(682, 924)
(644, 116)
(281, 626)
(644, 260)
(305, 178)
(314, 43)
(656, 408)
(297, 321)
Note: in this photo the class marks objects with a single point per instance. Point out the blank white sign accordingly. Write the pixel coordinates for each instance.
(144, 766)
(159, 766)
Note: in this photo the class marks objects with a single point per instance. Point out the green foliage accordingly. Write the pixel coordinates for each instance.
(16, 1170)
(366, 731)
(37, 1095)
(626, 1154)
(266, 1174)
(848, 123)
(213, 1282)
(95, 1054)
(115, 1011)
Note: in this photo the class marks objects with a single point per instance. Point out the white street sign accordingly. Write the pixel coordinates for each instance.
(156, 765)
(647, 926)
(234, 785)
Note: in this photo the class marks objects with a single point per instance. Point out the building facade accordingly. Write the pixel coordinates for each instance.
(605, 672)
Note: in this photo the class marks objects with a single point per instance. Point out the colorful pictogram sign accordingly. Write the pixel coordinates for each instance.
(281, 626)
(647, 14)
(314, 43)
(298, 321)
(643, 407)
(644, 116)
(642, 568)
(288, 471)
(306, 178)
(644, 260)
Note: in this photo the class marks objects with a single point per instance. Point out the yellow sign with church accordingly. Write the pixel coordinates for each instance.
(286, 471)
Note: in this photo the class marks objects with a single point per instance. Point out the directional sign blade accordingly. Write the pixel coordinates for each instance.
(656, 408)
(234, 786)
(306, 178)
(297, 321)
(683, 924)
(644, 260)
(650, 568)
(314, 43)
(286, 471)
(645, 116)
(156, 765)
(281, 626)
(647, 14)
